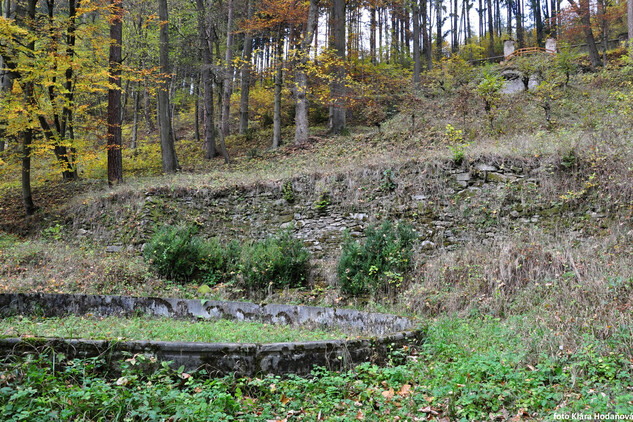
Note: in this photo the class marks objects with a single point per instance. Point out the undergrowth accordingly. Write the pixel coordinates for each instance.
(465, 370)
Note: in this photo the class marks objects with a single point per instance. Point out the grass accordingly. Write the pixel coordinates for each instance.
(467, 370)
(162, 329)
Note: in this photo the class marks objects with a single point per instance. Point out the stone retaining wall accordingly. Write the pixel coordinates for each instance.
(385, 333)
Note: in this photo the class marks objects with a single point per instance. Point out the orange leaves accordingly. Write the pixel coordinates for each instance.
(404, 391)
(273, 14)
(284, 400)
(388, 394)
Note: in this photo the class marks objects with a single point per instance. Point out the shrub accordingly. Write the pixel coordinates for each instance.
(489, 89)
(380, 264)
(175, 252)
(278, 261)
(218, 262)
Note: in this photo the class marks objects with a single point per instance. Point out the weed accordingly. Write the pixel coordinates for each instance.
(323, 202)
(387, 184)
(287, 192)
(252, 154)
(456, 143)
(54, 232)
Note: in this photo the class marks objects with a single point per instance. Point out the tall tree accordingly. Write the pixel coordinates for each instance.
(169, 158)
(510, 6)
(491, 30)
(519, 21)
(372, 33)
(302, 55)
(279, 68)
(454, 28)
(246, 74)
(629, 20)
(206, 43)
(583, 10)
(61, 133)
(439, 39)
(480, 12)
(603, 21)
(27, 133)
(228, 72)
(6, 80)
(554, 17)
(337, 86)
(536, 10)
(426, 39)
(416, 42)
(115, 160)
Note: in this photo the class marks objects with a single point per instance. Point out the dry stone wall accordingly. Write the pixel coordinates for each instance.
(447, 205)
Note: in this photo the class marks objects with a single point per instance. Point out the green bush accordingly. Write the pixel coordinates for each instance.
(280, 261)
(176, 253)
(219, 262)
(378, 265)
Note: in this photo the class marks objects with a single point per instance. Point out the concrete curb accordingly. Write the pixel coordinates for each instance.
(386, 333)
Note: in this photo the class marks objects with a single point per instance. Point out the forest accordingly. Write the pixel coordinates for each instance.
(434, 161)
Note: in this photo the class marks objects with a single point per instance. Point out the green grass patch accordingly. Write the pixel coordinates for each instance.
(164, 329)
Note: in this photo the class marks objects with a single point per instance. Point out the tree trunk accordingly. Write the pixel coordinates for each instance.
(228, 72)
(604, 27)
(455, 39)
(68, 124)
(124, 99)
(372, 34)
(246, 75)
(519, 20)
(58, 136)
(147, 108)
(582, 9)
(337, 86)
(207, 82)
(302, 128)
(498, 17)
(480, 12)
(438, 38)
(137, 105)
(629, 20)
(196, 117)
(6, 85)
(27, 134)
(536, 5)
(115, 161)
(277, 100)
(416, 43)
(426, 39)
(509, 22)
(467, 32)
(27, 139)
(554, 18)
(379, 53)
(170, 161)
(491, 30)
